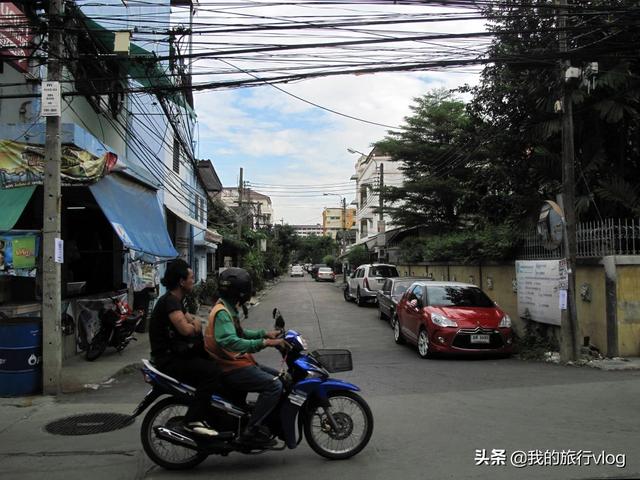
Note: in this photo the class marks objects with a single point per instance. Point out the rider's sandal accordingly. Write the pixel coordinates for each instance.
(200, 428)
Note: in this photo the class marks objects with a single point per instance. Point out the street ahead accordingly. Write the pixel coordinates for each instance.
(433, 418)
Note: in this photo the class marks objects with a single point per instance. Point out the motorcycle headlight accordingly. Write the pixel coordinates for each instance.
(442, 321)
(505, 322)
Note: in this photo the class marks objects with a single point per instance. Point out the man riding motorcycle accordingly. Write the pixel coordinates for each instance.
(231, 347)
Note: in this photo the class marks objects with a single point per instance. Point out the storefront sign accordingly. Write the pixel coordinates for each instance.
(19, 254)
(538, 290)
(22, 164)
(15, 36)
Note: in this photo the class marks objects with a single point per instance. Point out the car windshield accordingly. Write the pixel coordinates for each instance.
(324, 270)
(457, 296)
(400, 287)
(383, 271)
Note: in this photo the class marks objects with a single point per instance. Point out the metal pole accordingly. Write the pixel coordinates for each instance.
(51, 275)
(569, 321)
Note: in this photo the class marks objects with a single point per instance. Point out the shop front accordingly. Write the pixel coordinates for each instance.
(114, 235)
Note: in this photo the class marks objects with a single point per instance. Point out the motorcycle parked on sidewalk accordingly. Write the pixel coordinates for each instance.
(117, 327)
(336, 422)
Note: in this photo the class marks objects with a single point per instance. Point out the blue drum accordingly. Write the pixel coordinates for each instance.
(20, 356)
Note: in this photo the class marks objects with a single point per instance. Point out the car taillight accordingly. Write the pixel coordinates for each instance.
(366, 283)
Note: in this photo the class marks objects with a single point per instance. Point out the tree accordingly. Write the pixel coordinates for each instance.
(313, 248)
(358, 255)
(515, 105)
(435, 161)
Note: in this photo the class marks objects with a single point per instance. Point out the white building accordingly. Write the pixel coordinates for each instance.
(370, 223)
(307, 230)
(258, 207)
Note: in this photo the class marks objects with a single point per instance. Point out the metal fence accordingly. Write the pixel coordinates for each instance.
(593, 239)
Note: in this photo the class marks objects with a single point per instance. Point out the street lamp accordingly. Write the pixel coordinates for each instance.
(353, 150)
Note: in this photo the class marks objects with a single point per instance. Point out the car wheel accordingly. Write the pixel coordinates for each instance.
(359, 300)
(423, 344)
(345, 292)
(397, 334)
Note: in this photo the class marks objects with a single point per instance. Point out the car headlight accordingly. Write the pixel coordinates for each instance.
(505, 322)
(442, 321)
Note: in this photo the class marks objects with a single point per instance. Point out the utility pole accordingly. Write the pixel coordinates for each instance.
(568, 321)
(51, 275)
(240, 211)
(381, 199)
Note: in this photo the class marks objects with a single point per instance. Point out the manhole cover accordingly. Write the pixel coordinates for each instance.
(89, 423)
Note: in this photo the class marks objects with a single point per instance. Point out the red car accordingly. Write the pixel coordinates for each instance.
(451, 317)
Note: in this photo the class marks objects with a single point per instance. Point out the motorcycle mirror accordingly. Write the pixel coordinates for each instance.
(279, 325)
(275, 313)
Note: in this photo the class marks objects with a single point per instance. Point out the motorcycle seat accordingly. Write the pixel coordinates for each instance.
(216, 400)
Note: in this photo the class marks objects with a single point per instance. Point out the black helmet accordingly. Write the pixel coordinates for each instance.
(235, 285)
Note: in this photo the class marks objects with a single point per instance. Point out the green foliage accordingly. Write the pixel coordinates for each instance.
(329, 260)
(253, 262)
(314, 248)
(537, 341)
(206, 291)
(469, 246)
(357, 256)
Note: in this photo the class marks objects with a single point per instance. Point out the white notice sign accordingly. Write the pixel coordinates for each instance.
(562, 296)
(538, 290)
(50, 99)
(59, 253)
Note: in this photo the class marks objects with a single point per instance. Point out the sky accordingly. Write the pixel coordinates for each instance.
(280, 140)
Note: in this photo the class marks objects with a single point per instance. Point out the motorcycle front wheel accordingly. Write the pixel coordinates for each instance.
(355, 426)
(169, 413)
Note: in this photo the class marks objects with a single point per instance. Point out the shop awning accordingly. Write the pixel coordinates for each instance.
(12, 204)
(135, 215)
(210, 235)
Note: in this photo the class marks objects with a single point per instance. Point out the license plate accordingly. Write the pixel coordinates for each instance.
(480, 339)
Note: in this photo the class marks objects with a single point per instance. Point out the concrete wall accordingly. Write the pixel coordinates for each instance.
(628, 309)
(608, 297)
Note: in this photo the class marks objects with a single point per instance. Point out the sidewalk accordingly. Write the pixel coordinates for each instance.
(78, 374)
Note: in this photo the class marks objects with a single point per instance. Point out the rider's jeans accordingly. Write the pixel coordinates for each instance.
(257, 379)
(202, 373)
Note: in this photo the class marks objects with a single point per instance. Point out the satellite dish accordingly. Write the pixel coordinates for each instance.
(550, 226)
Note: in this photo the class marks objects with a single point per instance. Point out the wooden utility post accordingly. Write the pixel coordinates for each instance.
(51, 275)
(569, 321)
(380, 196)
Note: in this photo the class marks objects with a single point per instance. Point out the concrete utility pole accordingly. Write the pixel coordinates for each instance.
(569, 321)
(51, 275)
(240, 212)
(380, 196)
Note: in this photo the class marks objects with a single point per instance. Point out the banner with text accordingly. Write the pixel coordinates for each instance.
(539, 283)
(19, 254)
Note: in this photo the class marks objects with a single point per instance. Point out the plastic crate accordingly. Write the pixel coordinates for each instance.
(334, 360)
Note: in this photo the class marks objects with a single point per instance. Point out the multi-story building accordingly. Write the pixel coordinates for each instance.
(335, 220)
(257, 207)
(372, 223)
(132, 190)
(308, 230)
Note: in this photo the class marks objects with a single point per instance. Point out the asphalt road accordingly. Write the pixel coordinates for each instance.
(433, 418)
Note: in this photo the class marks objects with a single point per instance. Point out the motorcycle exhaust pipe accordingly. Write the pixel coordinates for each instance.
(174, 437)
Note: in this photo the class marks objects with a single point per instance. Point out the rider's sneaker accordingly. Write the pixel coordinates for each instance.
(201, 428)
(257, 437)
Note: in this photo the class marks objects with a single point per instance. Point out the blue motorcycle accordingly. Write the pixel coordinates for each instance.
(336, 422)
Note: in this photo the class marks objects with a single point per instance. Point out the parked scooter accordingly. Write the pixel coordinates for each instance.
(337, 422)
(117, 327)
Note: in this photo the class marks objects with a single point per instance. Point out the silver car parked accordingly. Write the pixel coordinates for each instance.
(364, 283)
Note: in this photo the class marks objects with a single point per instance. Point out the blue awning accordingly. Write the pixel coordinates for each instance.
(135, 215)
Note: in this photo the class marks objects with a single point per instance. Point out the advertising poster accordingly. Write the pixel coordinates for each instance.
(19, 254)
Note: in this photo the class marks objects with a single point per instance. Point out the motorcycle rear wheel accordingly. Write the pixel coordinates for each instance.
(97, 346)
(355, 421)
(167, 455)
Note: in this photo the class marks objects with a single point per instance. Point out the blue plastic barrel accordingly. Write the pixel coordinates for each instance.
(20, 356)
